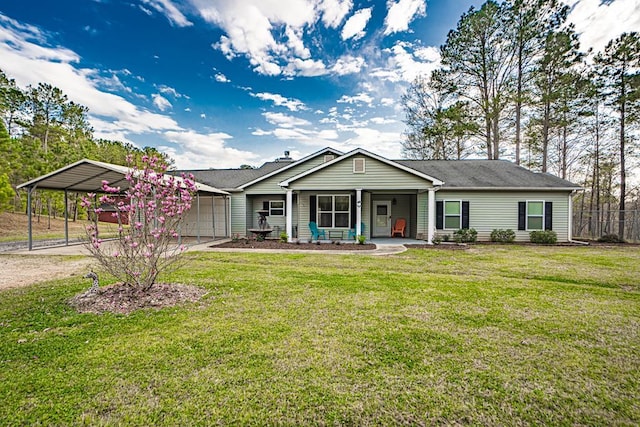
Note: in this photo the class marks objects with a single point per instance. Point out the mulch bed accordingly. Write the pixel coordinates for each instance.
(124, 299)
(276, 244)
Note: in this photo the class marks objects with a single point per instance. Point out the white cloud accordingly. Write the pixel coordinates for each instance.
(284, 120)
(280, 101)
(334, 11)
(167, 8)
(355, 25)
(401, 14)
(405, 65)
(386, 144)
(361, 98)
(221, 78)
(348, 64)
(387, 102)
(599, 21)
(161, 102)
(167, 90)
(382, 120)
(305, 68)
(203, 116)
(202, 151)
(27, 58)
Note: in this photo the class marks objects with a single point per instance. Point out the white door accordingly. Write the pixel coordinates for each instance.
(382, 219)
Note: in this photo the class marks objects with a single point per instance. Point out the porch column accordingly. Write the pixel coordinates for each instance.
(198, 216)
(289, 211)
(66, 219)
(29, 219)
(431, 223)
(358, 212)
(570, 219)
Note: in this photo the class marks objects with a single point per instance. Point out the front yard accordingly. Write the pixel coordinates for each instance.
(494, 335)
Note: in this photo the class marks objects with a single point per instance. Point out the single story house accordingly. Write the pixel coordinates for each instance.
(360, 190)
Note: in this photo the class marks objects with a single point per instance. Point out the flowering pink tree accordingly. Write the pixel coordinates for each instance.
(154, 205)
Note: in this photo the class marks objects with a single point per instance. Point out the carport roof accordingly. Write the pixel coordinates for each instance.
(87, 175)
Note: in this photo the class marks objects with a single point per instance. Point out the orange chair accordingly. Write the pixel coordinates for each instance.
(399, 227)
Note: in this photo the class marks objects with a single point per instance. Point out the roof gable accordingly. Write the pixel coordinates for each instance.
(363, 152)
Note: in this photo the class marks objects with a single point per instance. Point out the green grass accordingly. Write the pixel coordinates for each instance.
(496, 335)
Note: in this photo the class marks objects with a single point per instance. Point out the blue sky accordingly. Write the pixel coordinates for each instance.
(220, 83)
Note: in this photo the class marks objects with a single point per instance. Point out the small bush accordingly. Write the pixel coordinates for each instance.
(446, 237)
(610, 238)
(260, 237)
(361, 239)
(503, 236)
(546, 237)
(465, 235)
(436, 240)
(284, 237)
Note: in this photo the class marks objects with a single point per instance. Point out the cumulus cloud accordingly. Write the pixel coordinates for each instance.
(284, 120)
(405, 63)
(361, 98)
(334, 11)
(161, 102)
(168, 9)
(202, 151)
(355, 25)
(278, 100)
(401, 13)
(348, 64)
(599, 21)
(221, 78)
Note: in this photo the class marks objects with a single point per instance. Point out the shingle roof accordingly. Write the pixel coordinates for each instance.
(230, 179)
(486, 174)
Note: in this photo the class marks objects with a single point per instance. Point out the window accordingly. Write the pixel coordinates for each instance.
(535, 215)
(358, 165)
(276, 207)
(334, 211)
(452, 214)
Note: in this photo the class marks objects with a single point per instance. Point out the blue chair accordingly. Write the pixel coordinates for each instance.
(352, 232)
(316, 232)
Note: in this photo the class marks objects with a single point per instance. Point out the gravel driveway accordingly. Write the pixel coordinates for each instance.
(24, 270)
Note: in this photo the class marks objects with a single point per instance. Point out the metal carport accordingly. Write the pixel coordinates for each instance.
(86, 176)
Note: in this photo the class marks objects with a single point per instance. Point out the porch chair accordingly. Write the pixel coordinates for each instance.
(352, 232)
(316, 232)
(399, 227)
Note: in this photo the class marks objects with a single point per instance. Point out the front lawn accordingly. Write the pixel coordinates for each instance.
(495, 335)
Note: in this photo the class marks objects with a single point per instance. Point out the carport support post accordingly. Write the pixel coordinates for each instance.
(289, 212)
(29, 221)
(198, 217)
(66, 220)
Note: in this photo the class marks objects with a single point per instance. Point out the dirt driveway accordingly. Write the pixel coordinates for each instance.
(24, 270)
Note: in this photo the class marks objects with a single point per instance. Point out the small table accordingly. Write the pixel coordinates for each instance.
(336, 234)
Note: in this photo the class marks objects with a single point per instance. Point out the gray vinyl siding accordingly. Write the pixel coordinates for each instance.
(499, 209)
(238, 214)
(278, 223)
(377, 176)
(270, 185)
(422, 227)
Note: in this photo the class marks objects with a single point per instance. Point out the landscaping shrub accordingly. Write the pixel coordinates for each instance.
(548, 237)
(610, 238)
(284, 237)
(503, 236)
(437, 239)
(465, 235)
(361, 239)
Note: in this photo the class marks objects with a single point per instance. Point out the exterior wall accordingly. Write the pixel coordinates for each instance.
(366, 213)
(422, 220)
(278, 223)
(404, 208)
(238, 214)
(499, 209)
(270, 185)
(377, 176)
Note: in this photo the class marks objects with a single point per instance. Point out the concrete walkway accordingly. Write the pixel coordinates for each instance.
(389, 246)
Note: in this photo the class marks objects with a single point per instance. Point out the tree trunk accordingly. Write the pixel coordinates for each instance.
(623, 172)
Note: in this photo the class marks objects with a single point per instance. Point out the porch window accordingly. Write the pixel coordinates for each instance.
(452, 214)
(276, 207)
(334, 211)
(535, 215)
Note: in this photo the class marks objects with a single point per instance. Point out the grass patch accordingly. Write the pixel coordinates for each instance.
(492, 335)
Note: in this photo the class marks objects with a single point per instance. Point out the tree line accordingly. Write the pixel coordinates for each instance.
(514, 83)
(42, 130)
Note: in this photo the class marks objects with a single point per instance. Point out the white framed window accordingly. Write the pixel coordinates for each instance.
(276, 207)
(329, 157)
(452, 214)
(334, 211)
(359, 165)
(535, 215)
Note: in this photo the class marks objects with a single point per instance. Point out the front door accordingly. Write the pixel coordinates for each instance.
(382, 219)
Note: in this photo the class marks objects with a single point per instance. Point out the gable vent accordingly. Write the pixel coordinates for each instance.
(329, 157)
(358, 165)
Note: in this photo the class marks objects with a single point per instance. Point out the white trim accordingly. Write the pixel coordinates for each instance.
(333, 210)
(361, 151)
(289, 212)
(570, 219)
(283, 208)
(431, 219)
(358, 212)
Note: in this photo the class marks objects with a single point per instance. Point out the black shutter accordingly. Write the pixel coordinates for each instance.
(312, 208)
(439, 215)
(548, 215)
(265, 205)
(465, 214)
(353, 210)
(522, 215)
